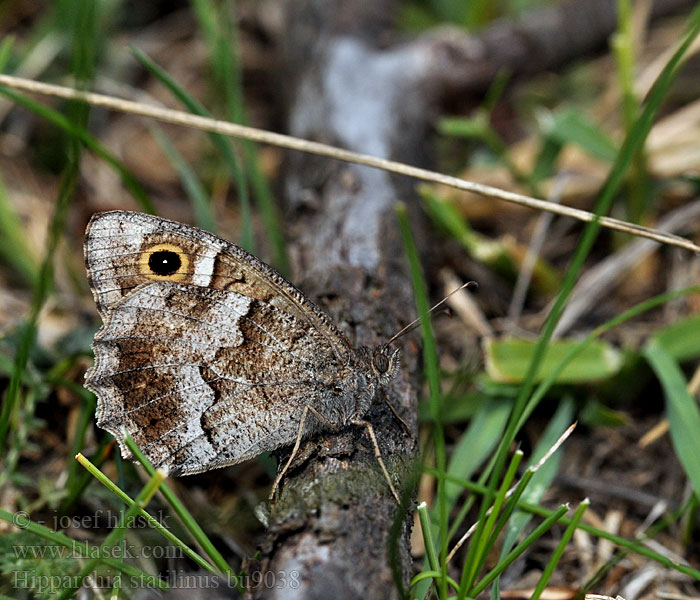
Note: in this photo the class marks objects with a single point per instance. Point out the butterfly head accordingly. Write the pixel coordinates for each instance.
(385, 363)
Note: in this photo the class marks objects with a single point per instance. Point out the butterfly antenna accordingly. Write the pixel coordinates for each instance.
(415, 324)
(409, 327)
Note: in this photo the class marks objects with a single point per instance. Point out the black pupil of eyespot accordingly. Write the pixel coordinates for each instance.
(164, 262)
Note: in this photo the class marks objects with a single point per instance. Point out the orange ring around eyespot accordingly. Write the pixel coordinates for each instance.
(179, 275)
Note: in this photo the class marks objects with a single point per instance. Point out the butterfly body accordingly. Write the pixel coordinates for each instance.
(207, 356)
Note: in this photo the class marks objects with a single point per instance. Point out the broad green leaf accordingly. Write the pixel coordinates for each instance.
(595, 414)
(681, 339)
(476, 444)
(572, 126)
(507, 360)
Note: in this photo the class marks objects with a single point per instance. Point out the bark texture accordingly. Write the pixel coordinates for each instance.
(334, 527)
(335, 520)
(543, 39)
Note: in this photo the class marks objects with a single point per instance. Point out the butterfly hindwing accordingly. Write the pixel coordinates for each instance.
(201, 377)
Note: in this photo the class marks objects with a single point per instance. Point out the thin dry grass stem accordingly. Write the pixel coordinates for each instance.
(656, 432)
(599, 280)
(463, 304)
(665, 595)
(694, 384)
(510, 492)
(286, 141)
(533, 252)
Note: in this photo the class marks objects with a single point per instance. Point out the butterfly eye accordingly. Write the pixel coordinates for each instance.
(381, 362)
(164, 261)
(384, 365)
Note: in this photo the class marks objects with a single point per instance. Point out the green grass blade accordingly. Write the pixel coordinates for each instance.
(502, 565)
(544, 476)
(14, 249)
(183, 514)
(572, 127)
(199, 199)
(484, 539)
(469, 571)
(428, 542)
(682, 411)
(79, 547)
(510, 508)
(90, 142)
(633, 142)
(473, 447)
(432, 374)
(81, 24)
(44, 284)
(6, 46)
(559, 551)
(623, 50)
(140, 510)
(426, 575)
(115, 536)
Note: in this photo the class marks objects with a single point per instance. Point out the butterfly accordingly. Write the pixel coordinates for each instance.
(207, 356)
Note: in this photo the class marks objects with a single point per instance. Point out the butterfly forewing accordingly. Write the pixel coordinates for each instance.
(119, 251)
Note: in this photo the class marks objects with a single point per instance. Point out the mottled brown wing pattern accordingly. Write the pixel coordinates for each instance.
(207, 356)
(202, 377)
(119, 245)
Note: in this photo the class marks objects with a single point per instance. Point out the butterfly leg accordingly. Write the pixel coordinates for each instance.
(398, 418)
(297, 443)
(378, 455)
